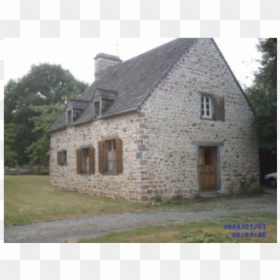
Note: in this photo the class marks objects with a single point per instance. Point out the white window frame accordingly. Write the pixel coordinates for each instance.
(206, 113)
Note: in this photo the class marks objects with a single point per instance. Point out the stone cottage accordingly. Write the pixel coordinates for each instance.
(172, 121)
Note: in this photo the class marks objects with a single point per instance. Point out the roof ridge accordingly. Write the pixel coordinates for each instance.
(137, 56)
(144, 53)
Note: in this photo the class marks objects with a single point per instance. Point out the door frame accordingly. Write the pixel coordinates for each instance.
(218, 146)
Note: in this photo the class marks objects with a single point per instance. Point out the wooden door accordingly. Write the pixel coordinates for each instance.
(208, 168)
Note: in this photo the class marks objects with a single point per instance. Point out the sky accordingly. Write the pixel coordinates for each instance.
(77, 56)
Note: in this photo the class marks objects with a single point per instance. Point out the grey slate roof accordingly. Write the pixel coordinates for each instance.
(79, 104)
(133, 80)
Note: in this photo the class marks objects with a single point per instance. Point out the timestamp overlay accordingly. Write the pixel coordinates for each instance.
(246, 230)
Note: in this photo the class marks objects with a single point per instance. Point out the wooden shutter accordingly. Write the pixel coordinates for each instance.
(219, 108)
(100, 157)
(118, 155)
(91, 160)
(78, 161)
(59, 158)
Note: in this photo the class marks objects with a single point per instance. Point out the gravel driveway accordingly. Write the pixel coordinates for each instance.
(74, 229)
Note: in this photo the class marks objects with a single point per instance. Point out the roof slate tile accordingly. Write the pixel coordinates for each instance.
(133, 80)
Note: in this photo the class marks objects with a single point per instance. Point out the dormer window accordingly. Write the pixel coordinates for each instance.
(69, 117)
(97, 109)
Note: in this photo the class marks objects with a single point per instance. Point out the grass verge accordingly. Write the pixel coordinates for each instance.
(30, 199)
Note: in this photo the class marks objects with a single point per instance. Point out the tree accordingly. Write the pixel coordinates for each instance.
(263, 96)
(44, 85)
(46, 115)
(10, 154)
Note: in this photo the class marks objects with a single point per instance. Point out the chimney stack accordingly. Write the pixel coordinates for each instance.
(102, 62)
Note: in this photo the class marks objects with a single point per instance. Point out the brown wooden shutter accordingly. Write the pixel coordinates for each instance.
(59, 158)
(100, 157)
(119, 155)
(91, 160)
(78, 161)
(219, 108)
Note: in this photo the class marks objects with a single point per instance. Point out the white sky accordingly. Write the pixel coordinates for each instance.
(77, 55)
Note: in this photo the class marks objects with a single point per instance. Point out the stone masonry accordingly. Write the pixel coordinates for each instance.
(159, 151)
(103, 61)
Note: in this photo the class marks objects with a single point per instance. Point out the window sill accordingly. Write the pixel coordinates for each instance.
(86, 174)
(110, 173)
(207, 119)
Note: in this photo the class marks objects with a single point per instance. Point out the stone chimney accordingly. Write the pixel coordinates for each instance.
(102, 62)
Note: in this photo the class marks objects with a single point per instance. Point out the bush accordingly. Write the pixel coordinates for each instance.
(232, 189)
(245, 185)
(157, 200)
(206, 237)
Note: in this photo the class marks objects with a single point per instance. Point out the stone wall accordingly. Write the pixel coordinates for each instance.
(171, 123)
(159, 155)
(104, 61)
(121, 186)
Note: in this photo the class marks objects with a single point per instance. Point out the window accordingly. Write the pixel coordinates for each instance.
(97, 109)
(212, 107)
(62, 157)
(206, 107)
(110, 156)
(76, 113)
(85, 160)
(69, 117)
(208, 156)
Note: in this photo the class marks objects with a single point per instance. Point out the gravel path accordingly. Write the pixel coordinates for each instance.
(74, 229)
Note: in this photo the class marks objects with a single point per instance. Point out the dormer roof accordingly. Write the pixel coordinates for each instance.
(133, 80)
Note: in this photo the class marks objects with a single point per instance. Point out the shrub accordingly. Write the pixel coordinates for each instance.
(244, 185)
(206, 237)
(232, 189)
(248, 184)
(157, 200)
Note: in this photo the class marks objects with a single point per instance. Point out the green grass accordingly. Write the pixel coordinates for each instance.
(192, 232)
(30, 199)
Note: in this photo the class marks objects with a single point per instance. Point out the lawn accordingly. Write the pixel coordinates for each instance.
(30, 199)
(197, 232)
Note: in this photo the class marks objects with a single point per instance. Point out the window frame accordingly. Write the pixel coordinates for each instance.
(62, 158)
(69, 117)
(110, 156)
(100, 108)
(218, 108)
(203, 107)
(103, 156)
(84, 166)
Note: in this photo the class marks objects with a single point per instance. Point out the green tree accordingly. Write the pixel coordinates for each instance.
(263, 95)
(10, 154)
(43, 85)
(46, 115)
